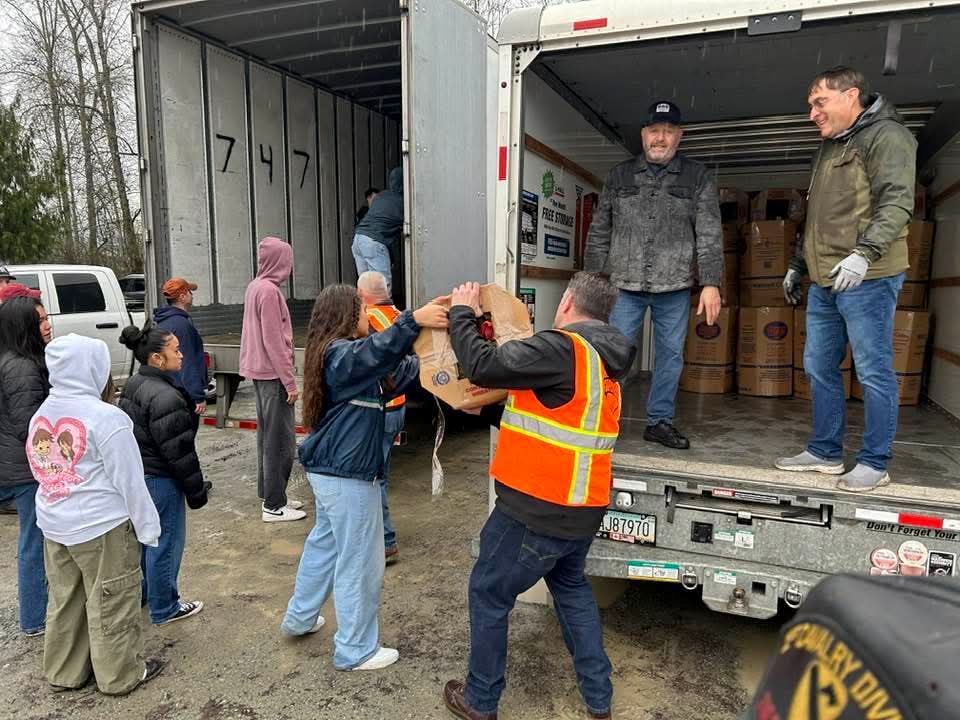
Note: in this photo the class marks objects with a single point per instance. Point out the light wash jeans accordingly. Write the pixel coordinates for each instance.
(392, 426)
(670, 312)
(369, 254)
(864, 316)
(343, 554)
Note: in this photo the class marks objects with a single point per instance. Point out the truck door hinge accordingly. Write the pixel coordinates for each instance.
(773, 23)
(135, 43)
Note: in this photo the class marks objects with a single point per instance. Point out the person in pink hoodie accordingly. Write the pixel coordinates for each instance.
(266, 357)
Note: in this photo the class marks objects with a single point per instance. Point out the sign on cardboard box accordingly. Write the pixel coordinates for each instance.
(440, 372)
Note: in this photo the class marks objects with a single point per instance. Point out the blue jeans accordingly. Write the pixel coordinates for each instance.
(369, 254)
(392, 425)
(161, 564)
(511, 560)
(31, 576)
(670, 312)
(342, 554)
(864, 316)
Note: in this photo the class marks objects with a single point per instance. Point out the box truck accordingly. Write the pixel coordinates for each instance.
(575, 82)
(269, 117)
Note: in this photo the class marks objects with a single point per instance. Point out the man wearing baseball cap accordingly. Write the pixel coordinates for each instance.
(175, 317)
(5, 277)
(666, 238)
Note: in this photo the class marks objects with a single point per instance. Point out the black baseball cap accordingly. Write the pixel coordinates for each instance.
(663, 111)
(5, 274)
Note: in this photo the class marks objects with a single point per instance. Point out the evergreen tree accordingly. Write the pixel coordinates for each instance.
(29, 229)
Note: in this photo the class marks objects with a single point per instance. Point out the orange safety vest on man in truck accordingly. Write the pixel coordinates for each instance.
(563, 455)
(382, 316)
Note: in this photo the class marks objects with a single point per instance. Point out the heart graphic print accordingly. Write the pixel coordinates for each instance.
(54, 451)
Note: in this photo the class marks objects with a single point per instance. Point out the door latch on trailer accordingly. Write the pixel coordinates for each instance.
(773, 23)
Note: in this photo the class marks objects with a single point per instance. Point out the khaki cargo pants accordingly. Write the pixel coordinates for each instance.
(93, 615)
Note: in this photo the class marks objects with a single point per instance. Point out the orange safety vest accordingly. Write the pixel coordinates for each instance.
(381, 317)
(563, 455)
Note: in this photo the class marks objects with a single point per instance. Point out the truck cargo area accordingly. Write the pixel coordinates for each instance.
(719, 517)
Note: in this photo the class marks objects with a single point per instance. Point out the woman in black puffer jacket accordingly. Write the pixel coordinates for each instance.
(24, 333)
(164, 425)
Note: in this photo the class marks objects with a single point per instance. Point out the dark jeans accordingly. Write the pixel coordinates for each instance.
(392, 426)
(276, 442)
(31, 577)
(161, 564)
(512, 559)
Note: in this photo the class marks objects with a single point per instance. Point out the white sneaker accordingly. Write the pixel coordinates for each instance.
(384, 657)
(317, 625)
(284, 514)
(295, 504)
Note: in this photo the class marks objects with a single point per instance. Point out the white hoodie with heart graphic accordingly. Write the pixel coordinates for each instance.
(83, 453)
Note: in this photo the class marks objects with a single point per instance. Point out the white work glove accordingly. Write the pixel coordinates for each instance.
(792, 289)
(849, 272)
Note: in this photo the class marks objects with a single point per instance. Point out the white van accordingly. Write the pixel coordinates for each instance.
(86, 300)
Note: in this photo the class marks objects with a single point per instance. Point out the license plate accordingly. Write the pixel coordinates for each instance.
(629, 527)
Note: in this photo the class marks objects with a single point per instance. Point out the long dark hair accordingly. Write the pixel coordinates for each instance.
(144, 341)
(20, 329)
(336, 313)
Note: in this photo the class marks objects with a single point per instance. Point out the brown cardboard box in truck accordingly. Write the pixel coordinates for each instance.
(801, 383)
(913, 294)
(765, 352)
(919, 249)
(766, 251)
(782, 204)
(439, 370)
(730, 284)
(911, 329)
(734, 206)
(709, 354)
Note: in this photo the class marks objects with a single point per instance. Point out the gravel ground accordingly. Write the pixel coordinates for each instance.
(672, 658)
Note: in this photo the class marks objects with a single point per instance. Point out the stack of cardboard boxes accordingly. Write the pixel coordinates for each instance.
(709, 358)
(757, 343)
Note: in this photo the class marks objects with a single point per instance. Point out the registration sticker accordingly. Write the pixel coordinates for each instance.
(658, 571)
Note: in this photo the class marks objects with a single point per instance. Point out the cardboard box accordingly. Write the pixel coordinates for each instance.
(911, 329)
(765, 352)
(913, 294)
(709, 354)
(734, 206)
(767, 248)
(439, 371)
(781, 204)
(801, 383)
(919, 249)
(762, 292)
(908, 387)
(730, 284)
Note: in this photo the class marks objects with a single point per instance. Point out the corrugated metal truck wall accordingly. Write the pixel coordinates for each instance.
(247, 150)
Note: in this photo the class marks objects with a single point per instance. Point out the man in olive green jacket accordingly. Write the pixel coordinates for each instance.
(854, 247)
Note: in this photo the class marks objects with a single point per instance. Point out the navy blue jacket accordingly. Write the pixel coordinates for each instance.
(348, 441)
(192, 378)
(384, 220)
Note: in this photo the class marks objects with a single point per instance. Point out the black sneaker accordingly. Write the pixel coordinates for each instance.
(185, 610)
(666, 434)
(151, 668)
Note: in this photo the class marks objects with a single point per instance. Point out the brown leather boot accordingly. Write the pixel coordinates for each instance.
(453, 698)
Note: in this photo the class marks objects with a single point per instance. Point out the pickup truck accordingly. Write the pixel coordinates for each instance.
(87, 300)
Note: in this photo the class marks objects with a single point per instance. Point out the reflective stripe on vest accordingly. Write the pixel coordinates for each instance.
(578, 434)
(381, 317)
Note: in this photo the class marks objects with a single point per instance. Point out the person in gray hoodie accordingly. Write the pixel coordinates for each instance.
(95, 511)
(380, 229)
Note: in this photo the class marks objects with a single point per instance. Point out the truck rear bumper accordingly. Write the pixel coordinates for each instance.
(739, 587)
